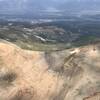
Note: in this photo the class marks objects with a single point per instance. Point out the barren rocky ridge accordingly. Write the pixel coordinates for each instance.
(71, 74)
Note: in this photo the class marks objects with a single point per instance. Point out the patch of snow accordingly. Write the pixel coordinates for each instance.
(42, 39)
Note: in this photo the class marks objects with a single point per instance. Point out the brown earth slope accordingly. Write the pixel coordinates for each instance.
(64, 75)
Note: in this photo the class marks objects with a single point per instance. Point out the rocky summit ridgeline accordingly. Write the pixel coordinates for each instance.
(71, 74)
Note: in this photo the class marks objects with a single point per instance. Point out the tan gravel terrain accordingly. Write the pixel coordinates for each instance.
(72, 74)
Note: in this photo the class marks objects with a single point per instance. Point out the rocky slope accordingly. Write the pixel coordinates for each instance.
(72, 74)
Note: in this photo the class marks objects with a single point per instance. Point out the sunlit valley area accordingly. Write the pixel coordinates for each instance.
(49, 50)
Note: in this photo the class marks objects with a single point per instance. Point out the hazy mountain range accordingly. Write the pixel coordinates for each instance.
(32, 6)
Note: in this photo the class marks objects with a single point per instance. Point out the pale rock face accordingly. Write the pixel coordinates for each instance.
(32, 79)
(64, 75)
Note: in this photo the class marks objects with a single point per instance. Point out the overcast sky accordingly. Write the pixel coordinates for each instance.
(48, 5)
